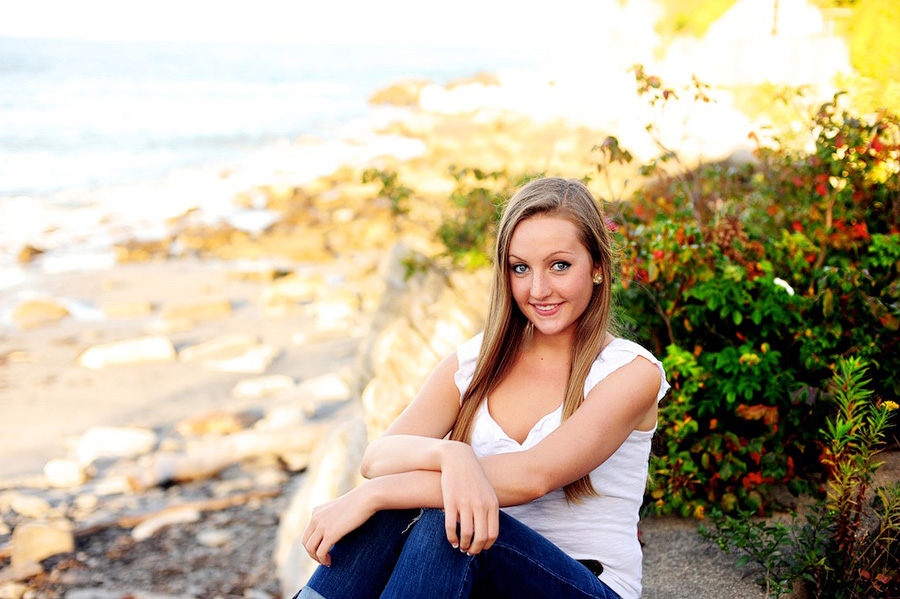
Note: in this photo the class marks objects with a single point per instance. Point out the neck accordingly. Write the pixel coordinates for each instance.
(557, 345)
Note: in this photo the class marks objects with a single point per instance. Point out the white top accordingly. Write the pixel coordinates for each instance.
(603, 528)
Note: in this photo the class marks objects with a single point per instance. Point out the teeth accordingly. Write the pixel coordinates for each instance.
(545, 308)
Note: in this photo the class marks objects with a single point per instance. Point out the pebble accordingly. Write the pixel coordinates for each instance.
(35, 313)
(223, 346)
(211, 423)
(29, 506)
(127, 310)
(212, 537)
(114, 442)
(208, 310)
(326, 387)
(148, 349)
(255, 360)
(266, 386)
(36, 541)
(12, 590)
(62, 473)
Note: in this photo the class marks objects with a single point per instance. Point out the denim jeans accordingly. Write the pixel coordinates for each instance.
(397, 554)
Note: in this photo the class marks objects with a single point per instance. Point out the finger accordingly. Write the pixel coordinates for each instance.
(465, 529)
(311, 545)
(450, 519)
(322, 555)
(479, 534)
(493, 527)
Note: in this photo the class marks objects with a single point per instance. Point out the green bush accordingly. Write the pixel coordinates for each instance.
(753, 283)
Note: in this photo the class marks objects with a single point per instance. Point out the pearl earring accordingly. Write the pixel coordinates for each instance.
(598, 278)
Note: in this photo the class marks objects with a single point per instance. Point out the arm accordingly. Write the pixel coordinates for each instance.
(620, 403)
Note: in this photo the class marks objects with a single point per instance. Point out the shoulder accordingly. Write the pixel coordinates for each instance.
(620, 353)
(467, 357)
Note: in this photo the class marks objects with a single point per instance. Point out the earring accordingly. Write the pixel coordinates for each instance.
(598, 278)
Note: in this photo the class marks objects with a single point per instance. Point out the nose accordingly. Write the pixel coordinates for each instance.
(540, 287)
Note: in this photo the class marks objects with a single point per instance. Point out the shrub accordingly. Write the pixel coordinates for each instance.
(847, 546)
(753, 283)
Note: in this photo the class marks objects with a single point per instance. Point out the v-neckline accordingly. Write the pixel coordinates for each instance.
(536, 427)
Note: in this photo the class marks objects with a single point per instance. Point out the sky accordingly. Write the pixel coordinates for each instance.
(469, 23)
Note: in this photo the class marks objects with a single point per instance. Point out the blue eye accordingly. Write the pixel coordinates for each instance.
(561, 266)
(519, 269)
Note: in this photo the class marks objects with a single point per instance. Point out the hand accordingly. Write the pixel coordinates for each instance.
(469, 500)
(331, 521)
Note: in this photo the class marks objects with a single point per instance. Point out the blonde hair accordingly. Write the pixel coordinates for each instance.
(506, 327)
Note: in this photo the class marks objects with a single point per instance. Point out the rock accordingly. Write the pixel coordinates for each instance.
(284, 295)
(36, 541)
(221, 347)
(402, 93)
(16, 572)
(266, 386)
(149, 527)
(127, 310)
(12, 590)
(29, 506)
(167, 326)
(212, 423)
(35, 313)
(211, 537)
(141, 350)
(325, 387)
(208, 310)
(143, 251)
(255, 360)
(64, 473)
(334, 470)
(28, 253)
(114, 442)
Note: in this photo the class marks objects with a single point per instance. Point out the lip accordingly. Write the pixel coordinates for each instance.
(541, 309)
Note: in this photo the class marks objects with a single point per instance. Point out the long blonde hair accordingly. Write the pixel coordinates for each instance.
(507, 328)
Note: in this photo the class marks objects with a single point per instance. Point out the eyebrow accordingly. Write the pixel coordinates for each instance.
(548, 257)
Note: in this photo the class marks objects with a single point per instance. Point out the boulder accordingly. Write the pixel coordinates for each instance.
(141, 350)
(38, 312)
(333, 471)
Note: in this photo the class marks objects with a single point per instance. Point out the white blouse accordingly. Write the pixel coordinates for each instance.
(603, 528)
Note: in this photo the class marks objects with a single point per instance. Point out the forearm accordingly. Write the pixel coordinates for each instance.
(422, 488)
(393, 454)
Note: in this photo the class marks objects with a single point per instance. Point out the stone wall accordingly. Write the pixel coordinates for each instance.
(420, 320)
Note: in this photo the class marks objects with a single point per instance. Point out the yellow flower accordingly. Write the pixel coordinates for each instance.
(891, 405)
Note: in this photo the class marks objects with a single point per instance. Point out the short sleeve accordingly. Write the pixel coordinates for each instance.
(467, 356)
(616, 355)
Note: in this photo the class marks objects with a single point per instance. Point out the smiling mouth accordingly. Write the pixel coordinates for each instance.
(545, 308)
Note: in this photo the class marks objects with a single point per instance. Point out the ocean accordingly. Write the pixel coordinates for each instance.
(103, 140)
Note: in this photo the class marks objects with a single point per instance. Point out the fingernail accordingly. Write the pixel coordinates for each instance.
(455, 545)
(469, 554)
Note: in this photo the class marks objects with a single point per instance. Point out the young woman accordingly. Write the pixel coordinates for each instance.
(545, 415)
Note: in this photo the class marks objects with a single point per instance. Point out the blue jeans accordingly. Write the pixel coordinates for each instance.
(396, 554)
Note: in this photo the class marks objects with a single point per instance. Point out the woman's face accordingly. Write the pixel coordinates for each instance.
(550, 273)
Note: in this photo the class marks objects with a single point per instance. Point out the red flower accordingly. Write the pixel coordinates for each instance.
(821, 189)
(797, 226)
(657, 254)
(860, 231)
